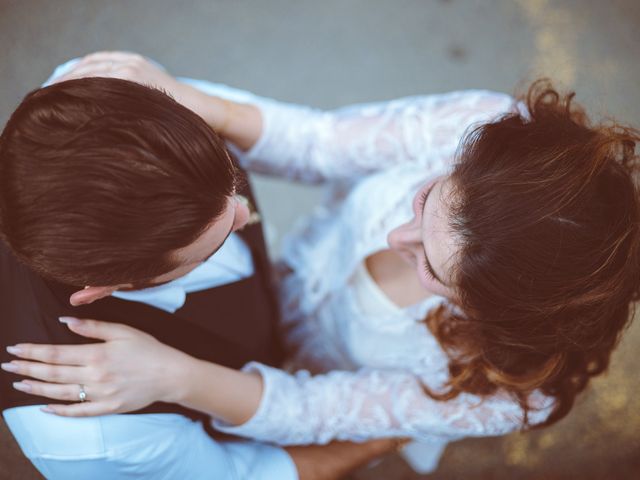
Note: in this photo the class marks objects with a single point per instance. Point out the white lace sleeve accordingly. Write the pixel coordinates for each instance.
(311, 145)
(303, 409)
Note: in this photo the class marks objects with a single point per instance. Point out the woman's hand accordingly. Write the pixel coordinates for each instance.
(127, 372)
(136, 68)
(239, 123)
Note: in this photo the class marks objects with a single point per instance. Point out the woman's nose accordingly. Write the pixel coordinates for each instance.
(404, 238)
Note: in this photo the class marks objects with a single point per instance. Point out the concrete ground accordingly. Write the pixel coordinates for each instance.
(333, 52)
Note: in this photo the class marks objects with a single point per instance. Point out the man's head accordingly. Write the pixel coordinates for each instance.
(109, 184)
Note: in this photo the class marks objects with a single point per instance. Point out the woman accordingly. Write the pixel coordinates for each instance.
(436, 295)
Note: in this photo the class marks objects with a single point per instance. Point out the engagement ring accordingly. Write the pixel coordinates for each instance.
(82, 395)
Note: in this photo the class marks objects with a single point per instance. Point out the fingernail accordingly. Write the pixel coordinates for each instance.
(68, 320)
(14, 350)
(23, 387)
(9, 367)
(46, 410)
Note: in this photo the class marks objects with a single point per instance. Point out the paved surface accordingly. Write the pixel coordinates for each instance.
(332, 52)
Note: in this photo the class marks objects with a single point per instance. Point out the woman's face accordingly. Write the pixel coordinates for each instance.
(426, 242)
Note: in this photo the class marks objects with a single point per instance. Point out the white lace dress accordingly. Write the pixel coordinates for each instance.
(359, 362)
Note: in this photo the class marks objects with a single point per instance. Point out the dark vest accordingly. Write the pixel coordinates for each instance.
(230, 324)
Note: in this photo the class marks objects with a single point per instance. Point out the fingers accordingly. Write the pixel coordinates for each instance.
(48, 373)
(68, 393)
(111, 56)
(103, 69)
(104, 64)
(86, 409)
(58, 354)
(97, 329)
(90, 70)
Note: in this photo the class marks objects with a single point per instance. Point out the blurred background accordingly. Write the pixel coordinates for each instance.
(329, 53)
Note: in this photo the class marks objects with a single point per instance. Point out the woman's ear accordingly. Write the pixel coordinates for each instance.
(90, 294)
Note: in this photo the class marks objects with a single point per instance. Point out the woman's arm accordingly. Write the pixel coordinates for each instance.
(312, 145)
(301, 409)
(128, 371)
(131, 369)
(224, 393)
(240, 123)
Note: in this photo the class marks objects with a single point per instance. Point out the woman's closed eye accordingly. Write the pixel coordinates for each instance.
(422, 202)
(428, 269)
(423, 199)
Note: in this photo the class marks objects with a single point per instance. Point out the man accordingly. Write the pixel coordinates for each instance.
(118, 203)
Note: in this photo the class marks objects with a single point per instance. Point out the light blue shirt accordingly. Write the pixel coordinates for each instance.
(154, 446)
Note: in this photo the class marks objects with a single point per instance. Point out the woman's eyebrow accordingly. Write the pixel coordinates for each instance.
(426, 257)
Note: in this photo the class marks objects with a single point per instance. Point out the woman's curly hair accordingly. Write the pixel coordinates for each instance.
(546, 208)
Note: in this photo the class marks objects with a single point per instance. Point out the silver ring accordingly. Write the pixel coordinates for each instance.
(82, 396)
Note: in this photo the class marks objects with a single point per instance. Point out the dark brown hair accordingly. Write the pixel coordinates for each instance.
(102, 179)
(547, 212)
